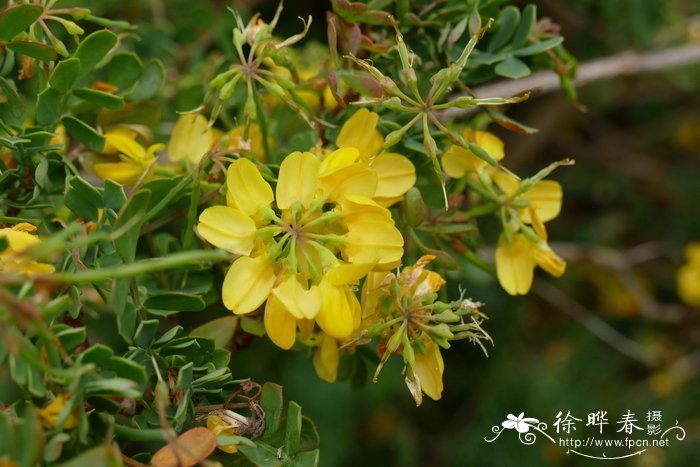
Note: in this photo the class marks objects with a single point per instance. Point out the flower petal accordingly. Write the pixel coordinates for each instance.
(545, 198)
(429, 367)
(515, 264)
(124, 173)
(347, 273)
(395, 174)
(247, 187)
(373, 242)
(227, 228)
(191, 138)
(280, 325)
(360, 131)
(298, 179)
(338, 159)
(247, 284)
(457, 161)
(123, 144)
(298, 301)
(356, 179)
(335, 316)
(548, 260)
(326, 358)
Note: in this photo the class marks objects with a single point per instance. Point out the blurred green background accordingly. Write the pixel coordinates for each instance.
(630, 206)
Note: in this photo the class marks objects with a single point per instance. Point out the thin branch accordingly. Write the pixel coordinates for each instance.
(590, 320)
(623, 64)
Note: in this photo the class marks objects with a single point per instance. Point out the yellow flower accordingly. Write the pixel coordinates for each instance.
(516, 260)
(689, 276)
(428, 369)
(50, 412)
(326, 358)
(12, 259)
(517, 256)
(191, 138)
(302, 245)
(134, 159)
(458, 161)
(395, 173)
(253, 146)
(227, 423)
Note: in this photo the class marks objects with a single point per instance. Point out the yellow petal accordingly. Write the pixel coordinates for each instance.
(357, 179)
(506, 182)
(346, 273)
(227, 228)
(548, 260)
(387, 202)
(121, 172)
(247, 284)
(191, 138)
(326, 358)
(515, 264)
(280, 325)
(338, 159)
(373, 242)
(298, 179)
(372, 292)
(335, 316)
(457, 161)
(430, 282)
(126, 146)
(50, 412)
(127, 133)
(254, 143)
(217, 426)
(395, 175)
(360, 131)
(428, 368)
(297, 300)
(545, 197)
(247, 187)
(356, 208)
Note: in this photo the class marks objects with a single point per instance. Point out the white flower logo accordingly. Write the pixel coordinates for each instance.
(522, 425)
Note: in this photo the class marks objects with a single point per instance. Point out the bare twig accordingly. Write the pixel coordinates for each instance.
(623, 64)
(622, 263)
(597, 326)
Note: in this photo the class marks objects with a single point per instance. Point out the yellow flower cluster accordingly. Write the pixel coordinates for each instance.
(524, 206)
(13, 259)
(302, 246)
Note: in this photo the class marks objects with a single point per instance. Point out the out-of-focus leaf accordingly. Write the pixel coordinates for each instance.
(132, 215)
(99, 98)
(175, 301)
(151, 80)
(82, 198)
(124, 70)
(64, 75)
(220, 330)
(512, 67)
(271, 402)
(94, 48)
(104, 456)
(84, 133)
(49, 106)
(505, 28)
(33, 49)
(17, 18)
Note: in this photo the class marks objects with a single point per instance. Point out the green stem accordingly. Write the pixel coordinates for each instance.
(146, 266)
(263, 125)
